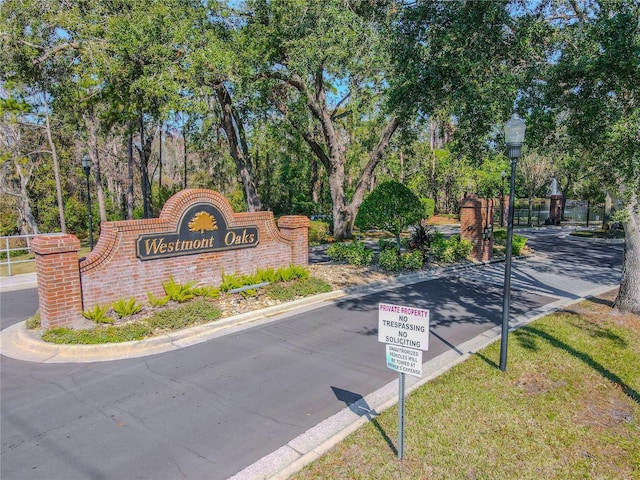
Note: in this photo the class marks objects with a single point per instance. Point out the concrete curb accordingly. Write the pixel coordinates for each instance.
(20, 343)
(316, 441)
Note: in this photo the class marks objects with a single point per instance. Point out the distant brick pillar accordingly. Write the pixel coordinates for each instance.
(58, 271)
(476, 225)
(555, 211)
(296, 229)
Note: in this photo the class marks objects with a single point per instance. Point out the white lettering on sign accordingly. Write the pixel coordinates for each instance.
(404, 326)
(404, 360)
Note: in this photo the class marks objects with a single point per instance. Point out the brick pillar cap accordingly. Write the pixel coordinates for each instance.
(293, 221)
(59, 243)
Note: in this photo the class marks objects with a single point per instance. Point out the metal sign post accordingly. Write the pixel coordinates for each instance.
(401, 416)
(405, 330)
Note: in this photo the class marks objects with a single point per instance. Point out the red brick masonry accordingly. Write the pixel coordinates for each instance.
(476, 225)
(113, 271)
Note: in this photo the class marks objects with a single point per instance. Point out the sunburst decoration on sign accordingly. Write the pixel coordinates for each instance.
(201, 222)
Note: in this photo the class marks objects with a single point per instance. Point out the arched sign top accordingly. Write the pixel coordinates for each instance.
(202, 228)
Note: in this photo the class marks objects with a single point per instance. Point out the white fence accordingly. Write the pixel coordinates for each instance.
(15, 246)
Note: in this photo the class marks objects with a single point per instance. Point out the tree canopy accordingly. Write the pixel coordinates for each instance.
(304, 106)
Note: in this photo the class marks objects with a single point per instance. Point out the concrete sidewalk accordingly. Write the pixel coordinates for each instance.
(18, 282)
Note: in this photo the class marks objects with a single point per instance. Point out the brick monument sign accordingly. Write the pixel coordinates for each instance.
(196, 237)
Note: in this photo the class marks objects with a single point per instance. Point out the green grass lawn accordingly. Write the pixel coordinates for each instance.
(568, 407)
(611, 233)
(27, 263)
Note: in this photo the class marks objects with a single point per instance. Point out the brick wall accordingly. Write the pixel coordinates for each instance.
(476, 215)
(113, 271)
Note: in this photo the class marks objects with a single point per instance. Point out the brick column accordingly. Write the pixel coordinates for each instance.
(476, 225)
(296, 229)
(58, 271)
(555, 209)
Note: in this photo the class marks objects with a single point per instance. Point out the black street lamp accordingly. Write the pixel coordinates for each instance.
(86, 166)
(514, 137)
(503, 175)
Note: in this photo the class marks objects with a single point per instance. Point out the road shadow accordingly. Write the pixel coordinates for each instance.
(358, 405)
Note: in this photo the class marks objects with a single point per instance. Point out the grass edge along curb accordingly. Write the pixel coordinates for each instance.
(548, 367)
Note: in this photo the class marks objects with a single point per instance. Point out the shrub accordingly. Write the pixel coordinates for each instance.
(355, 253)
(389, 259)
(266, 275)
(178, 292)
(391, 207)
(126, 308)
(34, 322)
(384, 244)
(318, 232)
(462, 247)
(421, 239)
(517, 244)
(428, 206)
(98, 314)
(412, 260)
(450, 250)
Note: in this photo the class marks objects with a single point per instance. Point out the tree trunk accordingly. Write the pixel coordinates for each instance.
(130, 177)
(28, 223)
(432, 155)
(628, 299)
(56, 168)
(145, 154)
(234, 131)
(608, 204)
(160, 159)
(90, 122)
(315, 182)
(366, 175)
(331, 154)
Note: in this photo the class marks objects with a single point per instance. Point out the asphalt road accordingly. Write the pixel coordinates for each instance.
(17, 306)
(210, 410)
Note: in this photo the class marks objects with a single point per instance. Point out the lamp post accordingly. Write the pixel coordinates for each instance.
(514, 137)
(503, 175)
(86, 166)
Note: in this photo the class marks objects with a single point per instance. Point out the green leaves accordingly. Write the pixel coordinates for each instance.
(391, 207)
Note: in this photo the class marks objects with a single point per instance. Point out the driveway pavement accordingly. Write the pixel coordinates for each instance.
(263, 396)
